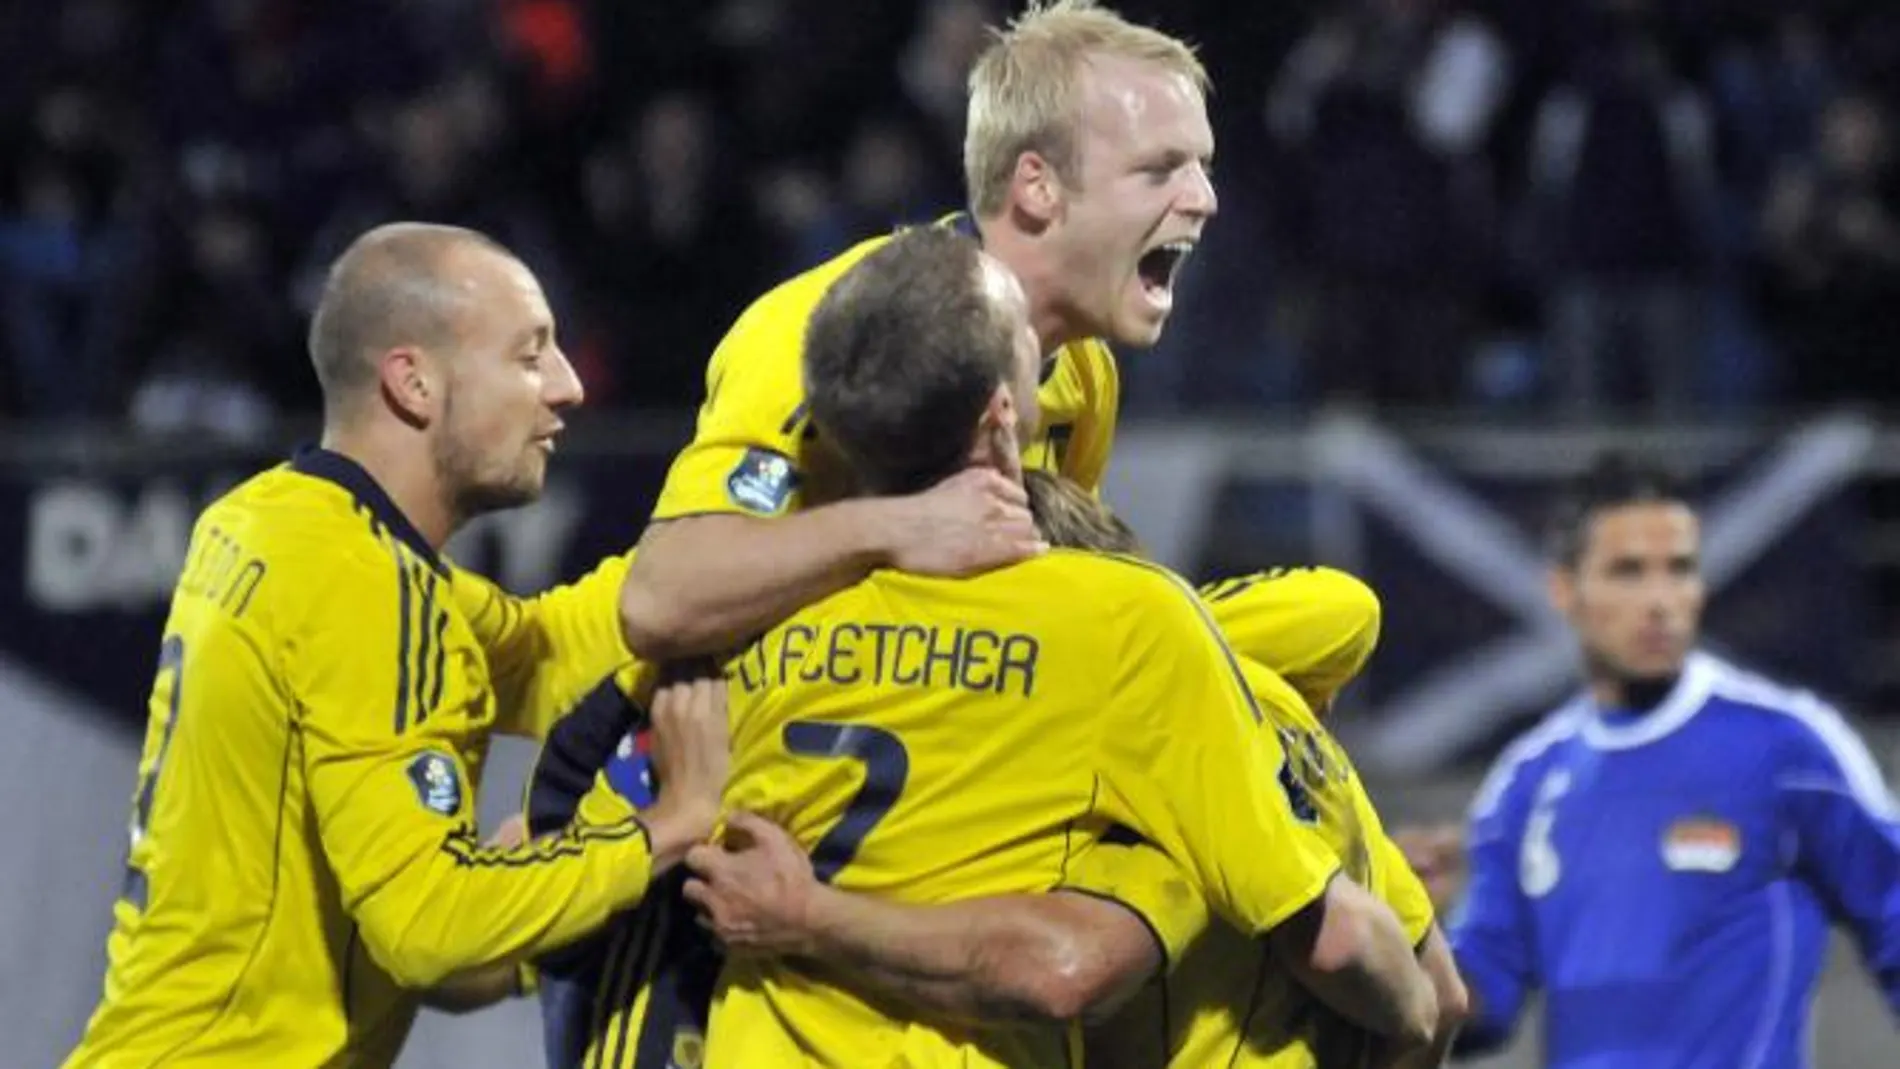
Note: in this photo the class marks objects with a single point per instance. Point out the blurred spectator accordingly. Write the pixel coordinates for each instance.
(1832, 231)
(1622, 176)
(220, 341)
(1770, 89)
(1385, 106)
(655, 212)
(67, 251)
(885, 180)
(934, 71)
(672, 253)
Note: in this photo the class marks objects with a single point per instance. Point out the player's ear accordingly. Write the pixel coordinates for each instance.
(410, 385)
(996, 444)
(1036, 188)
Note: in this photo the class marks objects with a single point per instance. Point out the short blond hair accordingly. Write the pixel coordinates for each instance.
(1023, 89)
(1070, 517)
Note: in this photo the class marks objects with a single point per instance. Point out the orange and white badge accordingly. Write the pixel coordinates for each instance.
(1701, 844)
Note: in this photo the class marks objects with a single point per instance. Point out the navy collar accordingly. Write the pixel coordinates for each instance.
(963, 223)
(320, 463)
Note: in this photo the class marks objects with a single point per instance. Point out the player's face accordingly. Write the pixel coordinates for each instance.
(1635, 596)
(508, 382)
(1143, 195)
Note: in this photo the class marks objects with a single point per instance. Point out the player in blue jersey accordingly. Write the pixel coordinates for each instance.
(1662, 857)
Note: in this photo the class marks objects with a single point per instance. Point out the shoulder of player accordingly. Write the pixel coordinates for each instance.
(1792, 721)
(1316, 587)
(792, 301)
(1520, 759)
(311, 534)
(1132, 588)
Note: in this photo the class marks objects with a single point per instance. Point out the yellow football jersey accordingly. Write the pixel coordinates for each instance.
(1314, 627)
(303, 844)
(754, 450)
(929, 740)
(1225, 1001)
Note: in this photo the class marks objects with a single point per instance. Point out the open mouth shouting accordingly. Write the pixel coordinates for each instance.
(1159, 267)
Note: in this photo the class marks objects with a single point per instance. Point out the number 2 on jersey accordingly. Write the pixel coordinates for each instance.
(171, 661)
(886, 767)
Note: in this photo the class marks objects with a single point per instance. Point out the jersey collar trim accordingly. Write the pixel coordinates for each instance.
(963, 223)
(1691, 693)
(320, 463)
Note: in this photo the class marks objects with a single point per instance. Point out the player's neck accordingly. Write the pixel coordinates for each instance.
(1030, 262)
(1614, 693)
(405, 473)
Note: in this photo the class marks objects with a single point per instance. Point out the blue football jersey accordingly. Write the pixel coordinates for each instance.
(1667, 879)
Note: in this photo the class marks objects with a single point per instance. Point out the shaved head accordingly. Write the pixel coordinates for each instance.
(395, 286)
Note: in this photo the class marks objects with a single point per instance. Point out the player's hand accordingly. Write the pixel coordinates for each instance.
(1437, 854)
(691, 754)
(975, 520)
(513, 832)
(755, 891)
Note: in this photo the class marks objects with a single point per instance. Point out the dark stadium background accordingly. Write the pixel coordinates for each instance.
(1426, 205)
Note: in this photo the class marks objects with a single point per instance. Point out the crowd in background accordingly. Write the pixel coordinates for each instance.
(1571, 206)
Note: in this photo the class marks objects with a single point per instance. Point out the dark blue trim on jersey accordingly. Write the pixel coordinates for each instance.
(320, 463)
(963, 223)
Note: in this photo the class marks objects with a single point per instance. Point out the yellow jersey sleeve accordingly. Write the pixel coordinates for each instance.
(1315, 627)
(547, 652)
(1183, 759)
(1150, 884)
(394, 809)
(748, 454)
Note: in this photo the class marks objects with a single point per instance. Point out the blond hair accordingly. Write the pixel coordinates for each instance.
(1072, 518)
(1023, 89)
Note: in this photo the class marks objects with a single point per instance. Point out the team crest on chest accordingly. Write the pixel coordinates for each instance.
(437, 782)
(762, 482)
(1701, 844)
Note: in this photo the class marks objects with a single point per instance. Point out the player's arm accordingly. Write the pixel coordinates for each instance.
(1314, 626)
(1846, 834)
(1026, 957)
(704, 583)
(548, 652)
(1399, 886)
(1181, 714)
(728, 554)
(394, 811)
(478, 989)
(1490, 931)
(1434, 956)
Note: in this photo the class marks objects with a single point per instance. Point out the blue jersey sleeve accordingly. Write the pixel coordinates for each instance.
(1490, 928)
(1846, 831)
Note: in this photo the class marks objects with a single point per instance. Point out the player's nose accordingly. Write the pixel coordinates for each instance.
(1198, 199)
(561, 386)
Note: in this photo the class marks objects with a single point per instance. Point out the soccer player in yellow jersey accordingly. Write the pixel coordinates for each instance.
(303, 858)
(1086, 162)
(933, 739)
(1221, 1002)
(637, 998)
